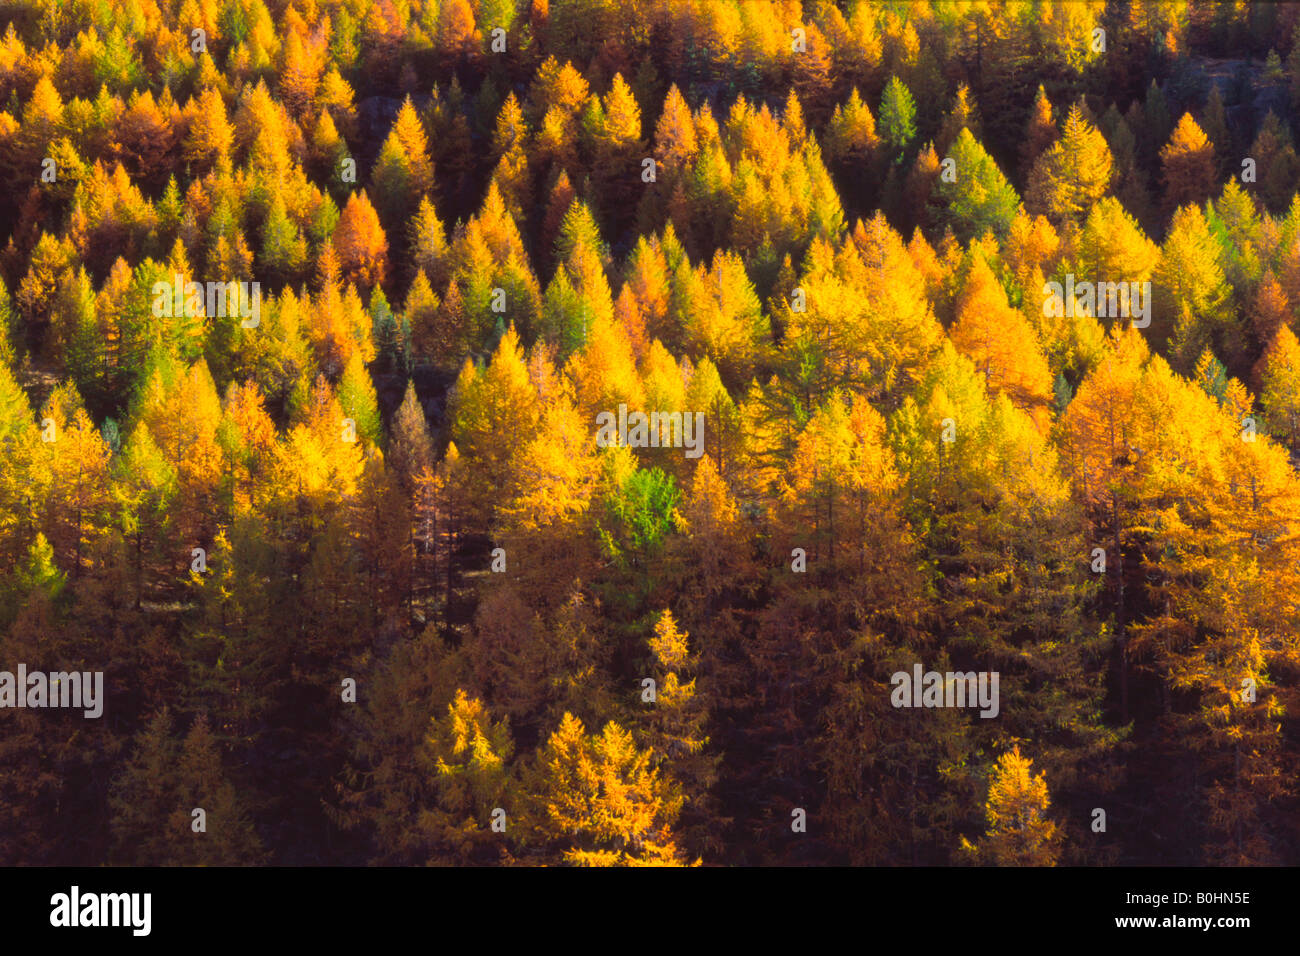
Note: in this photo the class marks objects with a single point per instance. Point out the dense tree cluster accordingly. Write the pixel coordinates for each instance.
(365, 586)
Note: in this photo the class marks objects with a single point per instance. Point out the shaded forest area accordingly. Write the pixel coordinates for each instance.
(366, 589)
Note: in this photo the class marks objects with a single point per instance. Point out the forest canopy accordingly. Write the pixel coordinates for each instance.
(309, 311)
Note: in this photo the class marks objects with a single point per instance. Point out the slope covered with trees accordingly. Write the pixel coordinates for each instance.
(364, 585)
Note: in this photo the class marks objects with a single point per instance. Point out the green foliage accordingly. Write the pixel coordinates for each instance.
(640, 509)
(897, 118)
(979, 199)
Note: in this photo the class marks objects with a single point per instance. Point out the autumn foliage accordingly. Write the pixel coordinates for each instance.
(360, 576)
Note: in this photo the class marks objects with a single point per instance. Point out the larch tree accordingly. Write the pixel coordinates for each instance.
(618, 153)
(358, 401)
(284, 249)
(1040, 132)
(512, 173)
(210, 138)
(488, 405)
(428, 244)
(978, 198)
(68, 483)
(1191, 303)
(864, 322)
(403, 173)
(840, 471)
(1020, 832)
(1071, 174)
(1001, 343)
(962, 115)
(411, 446)
(544, 524)
(720, 314)
(470, 756)
(897, 118)
(360, 243)
(714, 550)
(1279, 395)
(852, 146)
(1187, 165)
(17, 438)
(599, 802)
(677, 729)
(1112, 246)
